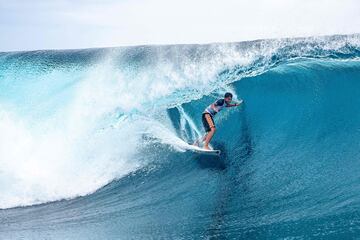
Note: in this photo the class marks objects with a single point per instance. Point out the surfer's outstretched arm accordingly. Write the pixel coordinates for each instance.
(235, 104)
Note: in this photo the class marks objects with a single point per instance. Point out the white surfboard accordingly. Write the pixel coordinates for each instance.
(213, 152)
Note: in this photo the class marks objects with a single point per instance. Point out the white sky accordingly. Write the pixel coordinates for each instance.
(63, 24)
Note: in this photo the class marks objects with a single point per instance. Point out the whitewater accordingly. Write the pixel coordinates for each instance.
(93, 141)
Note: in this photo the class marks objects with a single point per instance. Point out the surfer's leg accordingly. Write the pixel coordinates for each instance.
(196, 143)
(209, 127)
(204, 137)
(209, 137)
(200, 140)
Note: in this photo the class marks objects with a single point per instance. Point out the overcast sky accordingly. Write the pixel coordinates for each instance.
(63, 24)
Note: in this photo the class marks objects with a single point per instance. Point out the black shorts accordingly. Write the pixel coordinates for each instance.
(207, 121)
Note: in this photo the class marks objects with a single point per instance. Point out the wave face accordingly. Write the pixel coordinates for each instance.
(93, 141)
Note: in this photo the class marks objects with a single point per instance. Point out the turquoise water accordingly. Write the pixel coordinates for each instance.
(92, 143)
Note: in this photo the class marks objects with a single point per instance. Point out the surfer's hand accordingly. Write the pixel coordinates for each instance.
(238, 104)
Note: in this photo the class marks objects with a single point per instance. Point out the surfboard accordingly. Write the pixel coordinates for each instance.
(195, 149)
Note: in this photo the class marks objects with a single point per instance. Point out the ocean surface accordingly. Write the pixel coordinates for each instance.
(93, 142)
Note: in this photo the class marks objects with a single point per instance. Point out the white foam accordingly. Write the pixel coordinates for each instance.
(79, 148)
(70, 153)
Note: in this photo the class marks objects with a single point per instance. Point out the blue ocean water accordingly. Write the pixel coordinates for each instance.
(93, 142)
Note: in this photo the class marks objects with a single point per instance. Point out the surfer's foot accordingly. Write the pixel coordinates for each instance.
(206, 147)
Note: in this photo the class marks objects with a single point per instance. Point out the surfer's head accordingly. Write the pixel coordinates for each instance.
(228, 97)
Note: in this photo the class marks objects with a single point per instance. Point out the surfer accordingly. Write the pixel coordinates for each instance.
(209, 113)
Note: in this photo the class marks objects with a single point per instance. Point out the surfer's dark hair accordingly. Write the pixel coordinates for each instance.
(228, 95)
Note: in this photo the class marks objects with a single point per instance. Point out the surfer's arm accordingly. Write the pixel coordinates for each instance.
(232, 105)
(235, 104)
